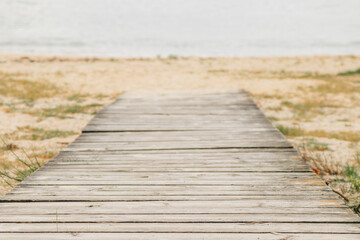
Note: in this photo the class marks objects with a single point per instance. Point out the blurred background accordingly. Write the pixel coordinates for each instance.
(142, 28)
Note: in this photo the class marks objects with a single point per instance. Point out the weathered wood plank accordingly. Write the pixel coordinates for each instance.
(196, 227)
(184, 218)
(98, 194)
(113, 169)
(93, 208)
(169, 189)
(163, 206)
(71, 197)
(98, 146)
(261, 183)
(193, 154)
(178, 236)
(184, 126)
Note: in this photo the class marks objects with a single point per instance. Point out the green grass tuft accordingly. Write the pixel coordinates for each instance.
(78, 97)
(313, 145)
(349, 73)
(352, 176)
(28, 166)
(290, 131)
(173, 57)
(34, 134)
(308, 108)
(63, 111)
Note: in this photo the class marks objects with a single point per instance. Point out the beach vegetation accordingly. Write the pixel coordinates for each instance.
(349, 73)
(59, 74)
(343, 120)
(290, 131)
(65, 111)
(173, 57)
(79, 98)
(218, 70)
(322, 163)
(269, 96)
(344, 179)
(8, 146)
(43, 156)
(101, 96)
(34, 134)
(357, 158)
(352, 176)
(273, 118)
(336, 87)
(309, 108)
(11, 85)
(350, 136)
(274, 108)
(19, 170)
(313, 145)
(293, 75)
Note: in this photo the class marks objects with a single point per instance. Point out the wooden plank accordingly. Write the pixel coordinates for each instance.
(169, 168)
(94, 208)
(261, 143)
(197, 227)
(169, 189)
(191, 175)
(118, 128)
(183, 187)
(178, 236)
(48, 191)
(73, 163)
(172, 136)
(184, 218)
(183, 205)
(70, 197)
(246, 115)
(261, 183)
(192, 154)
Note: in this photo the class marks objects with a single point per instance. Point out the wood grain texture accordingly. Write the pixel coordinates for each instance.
(205, 165)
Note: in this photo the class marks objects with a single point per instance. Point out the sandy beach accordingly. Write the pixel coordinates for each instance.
(314, 101)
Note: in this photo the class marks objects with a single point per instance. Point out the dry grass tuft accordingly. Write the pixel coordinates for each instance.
(321, 163)
(313, 145)
(43, 156)
(34, 134)
(9, 146)
(290, 131)
(12, 85)
(337, 86)
(341, 135)
(308, 108)
(79, 98)
(65, 111)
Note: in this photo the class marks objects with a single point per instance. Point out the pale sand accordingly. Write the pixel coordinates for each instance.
(270, 80)
(107, 77)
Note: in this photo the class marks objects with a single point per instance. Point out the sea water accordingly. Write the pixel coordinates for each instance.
(149, 28)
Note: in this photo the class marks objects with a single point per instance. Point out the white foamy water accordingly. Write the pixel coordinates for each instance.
(147, 28)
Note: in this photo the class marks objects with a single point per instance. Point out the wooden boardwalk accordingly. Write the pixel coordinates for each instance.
(177, 166)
